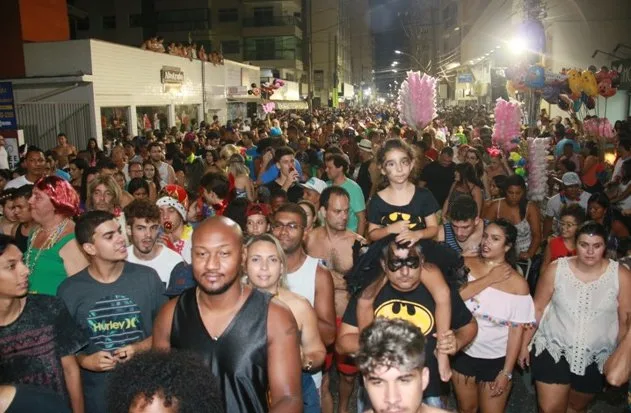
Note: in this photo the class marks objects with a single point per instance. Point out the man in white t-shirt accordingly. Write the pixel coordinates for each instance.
(35, 169)
(4, 155)
(143, 225)
(571, 194)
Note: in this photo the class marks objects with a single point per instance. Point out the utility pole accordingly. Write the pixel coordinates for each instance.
(433, 69)
(309, 41)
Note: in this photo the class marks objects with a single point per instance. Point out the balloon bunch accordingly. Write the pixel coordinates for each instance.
(599, 127)
(570, 89)
(537, 174)
(268, 107)
(266, 90)
(519, 163)
(608, 82)
(417, 100)
(506, 131)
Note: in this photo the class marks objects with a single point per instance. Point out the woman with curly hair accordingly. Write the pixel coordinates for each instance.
(157, 381)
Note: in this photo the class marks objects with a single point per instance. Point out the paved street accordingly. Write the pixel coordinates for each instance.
(523, 401)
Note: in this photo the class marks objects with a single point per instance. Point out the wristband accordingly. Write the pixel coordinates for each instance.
(507, 374)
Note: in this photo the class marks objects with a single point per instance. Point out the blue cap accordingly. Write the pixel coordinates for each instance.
(181, 279)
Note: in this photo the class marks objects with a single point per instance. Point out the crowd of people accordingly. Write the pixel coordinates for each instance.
(235, 267)
(190, 51)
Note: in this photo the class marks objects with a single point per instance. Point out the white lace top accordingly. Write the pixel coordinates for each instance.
(581, 321)
(496, 311)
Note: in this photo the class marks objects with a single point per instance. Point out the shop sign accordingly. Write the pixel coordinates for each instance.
(465, 78)
(624, 68)
(171, 75)
(7, 107)
(236, 91)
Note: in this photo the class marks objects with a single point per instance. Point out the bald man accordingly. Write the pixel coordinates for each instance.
(249, 340)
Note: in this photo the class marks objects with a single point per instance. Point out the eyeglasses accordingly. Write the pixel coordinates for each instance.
(395, 264)
(279, 226)
(567, 224)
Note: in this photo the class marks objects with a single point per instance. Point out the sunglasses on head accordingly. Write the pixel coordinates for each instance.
(395, 264)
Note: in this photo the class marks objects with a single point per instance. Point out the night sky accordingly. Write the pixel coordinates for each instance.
(388, 36)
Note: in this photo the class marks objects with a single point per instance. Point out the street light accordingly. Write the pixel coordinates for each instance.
(416, 61)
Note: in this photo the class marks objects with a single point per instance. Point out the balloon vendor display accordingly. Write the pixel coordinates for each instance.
(417, 100)
(599, 127)
(537, 175)
(507, 129)
(570, 90)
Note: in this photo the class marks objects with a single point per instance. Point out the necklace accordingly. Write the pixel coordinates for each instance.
(53, 237)
(492, 263)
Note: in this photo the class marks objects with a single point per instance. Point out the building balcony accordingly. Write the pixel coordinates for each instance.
(272, 26)
(275, 59)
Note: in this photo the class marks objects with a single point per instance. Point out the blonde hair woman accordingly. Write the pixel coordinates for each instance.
(241, 174)
(266, 269)
(225, 154)
(104, 194)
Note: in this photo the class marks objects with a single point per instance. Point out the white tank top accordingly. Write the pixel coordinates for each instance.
(302, 282)
(163, 170)
(581, 321)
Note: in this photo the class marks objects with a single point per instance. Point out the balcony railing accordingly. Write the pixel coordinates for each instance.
(274, 21)
(282, 54)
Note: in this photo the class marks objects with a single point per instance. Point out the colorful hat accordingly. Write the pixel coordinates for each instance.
(258, 209)
(174, 196)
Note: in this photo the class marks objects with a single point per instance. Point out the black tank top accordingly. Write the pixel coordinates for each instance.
(21, 240)
(238, 358)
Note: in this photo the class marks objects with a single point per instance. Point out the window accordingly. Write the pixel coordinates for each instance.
(109, 22)
(83, 24)
(228, 15)
(183, 20)
(273, 48)
(230, 47)
(135, 20)
(263, 16)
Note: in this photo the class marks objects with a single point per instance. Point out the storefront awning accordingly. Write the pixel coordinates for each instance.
(291, 104)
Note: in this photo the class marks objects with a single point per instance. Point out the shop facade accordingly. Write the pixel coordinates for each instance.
(90, 88)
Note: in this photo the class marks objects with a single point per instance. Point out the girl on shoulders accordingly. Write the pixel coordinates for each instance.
(401, 207)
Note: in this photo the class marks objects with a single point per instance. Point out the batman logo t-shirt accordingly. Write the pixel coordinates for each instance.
(417, 307)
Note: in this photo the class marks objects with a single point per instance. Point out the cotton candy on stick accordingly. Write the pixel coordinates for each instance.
(507, 124)
(537, 169)
(417, 100)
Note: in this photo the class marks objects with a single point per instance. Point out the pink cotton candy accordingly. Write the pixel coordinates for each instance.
(417, 100)
(507, 125)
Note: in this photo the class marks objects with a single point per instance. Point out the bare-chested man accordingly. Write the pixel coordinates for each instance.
(333, 244)
(63, 148)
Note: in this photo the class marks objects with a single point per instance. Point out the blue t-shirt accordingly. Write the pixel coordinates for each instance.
(250, 155)
(273, 171)
(357, 202)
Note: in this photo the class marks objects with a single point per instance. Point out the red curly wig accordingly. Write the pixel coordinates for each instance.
(62, 195)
